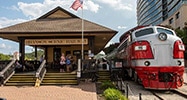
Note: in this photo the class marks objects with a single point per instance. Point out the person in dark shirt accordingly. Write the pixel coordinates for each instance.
(19, 67)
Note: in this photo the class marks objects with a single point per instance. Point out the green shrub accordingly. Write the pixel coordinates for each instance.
(113, 94)
(107, 84)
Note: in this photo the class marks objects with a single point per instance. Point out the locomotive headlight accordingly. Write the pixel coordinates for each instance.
(147, 63)
(179, 62)
(181, 47)
(162, 36)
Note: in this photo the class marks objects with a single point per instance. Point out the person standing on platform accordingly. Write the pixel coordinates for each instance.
(62, 63)
(68, 63)
(19, 67)
(41, 58)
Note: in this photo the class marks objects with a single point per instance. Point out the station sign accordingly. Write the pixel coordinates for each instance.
(78, 52)
(55, 41)
(118, 64)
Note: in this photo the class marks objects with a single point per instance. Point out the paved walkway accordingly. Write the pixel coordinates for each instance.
(83, 91)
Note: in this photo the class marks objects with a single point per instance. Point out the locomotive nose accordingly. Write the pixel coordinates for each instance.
(162, 36)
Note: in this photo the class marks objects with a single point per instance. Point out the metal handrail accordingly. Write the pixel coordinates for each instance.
(7, 72)
(38, 72)
(7, 67)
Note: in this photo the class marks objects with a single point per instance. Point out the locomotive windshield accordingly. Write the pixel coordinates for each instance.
(144, 32)
(165, 31)
(151, 31)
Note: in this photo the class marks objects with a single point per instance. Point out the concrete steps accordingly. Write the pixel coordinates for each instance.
(21, 79)
(104, 75)
(60, 79)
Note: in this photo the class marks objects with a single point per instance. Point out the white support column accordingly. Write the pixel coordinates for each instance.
(79, 68)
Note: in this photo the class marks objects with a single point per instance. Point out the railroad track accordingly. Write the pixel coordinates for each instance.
(177, 94)
(182, 91)
(185, 83)
(135, 90)
(169, 95)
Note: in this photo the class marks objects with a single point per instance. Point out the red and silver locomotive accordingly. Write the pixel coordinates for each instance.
(154, 56)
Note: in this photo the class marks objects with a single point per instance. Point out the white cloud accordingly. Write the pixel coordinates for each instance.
(13, 8)
(4, 22)
(122, 27)
(7, 46)
(31, 10)
(2, 46)
(120, 4)
(34, 10)
(90, 5)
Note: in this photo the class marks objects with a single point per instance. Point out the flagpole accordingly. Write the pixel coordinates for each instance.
(76, 4)
(82, 34)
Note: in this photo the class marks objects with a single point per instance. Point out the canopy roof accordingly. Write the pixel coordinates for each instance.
(59, 23)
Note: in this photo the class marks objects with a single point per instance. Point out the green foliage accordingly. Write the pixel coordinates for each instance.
(113, 94)
(182, 34)
(4, 57)
(31, 56)
(28, 56)
(109, 49)
(107, 84)
(99, 56)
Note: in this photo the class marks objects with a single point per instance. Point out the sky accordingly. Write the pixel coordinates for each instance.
(119, 15)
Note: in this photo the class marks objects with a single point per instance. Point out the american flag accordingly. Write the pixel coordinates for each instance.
(76, 4)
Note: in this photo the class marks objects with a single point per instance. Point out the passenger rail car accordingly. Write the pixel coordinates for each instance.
(153, 56)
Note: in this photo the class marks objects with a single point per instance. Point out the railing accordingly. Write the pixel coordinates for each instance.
(117, 79)
(7, 72)
(89, 70)
(40, 73)
(3, 64)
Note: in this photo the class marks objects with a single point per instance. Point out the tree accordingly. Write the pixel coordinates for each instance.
(31, 56)
(109, 49)
(4, 57)
(182, 34)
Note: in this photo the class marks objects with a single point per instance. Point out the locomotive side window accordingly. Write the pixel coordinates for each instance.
(144, 32)
(123, 45)
(164, 30)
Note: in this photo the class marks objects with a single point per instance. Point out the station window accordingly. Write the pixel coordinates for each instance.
(171, 21)
(177, 15)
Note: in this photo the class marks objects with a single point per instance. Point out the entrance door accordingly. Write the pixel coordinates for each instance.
(56, 57)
